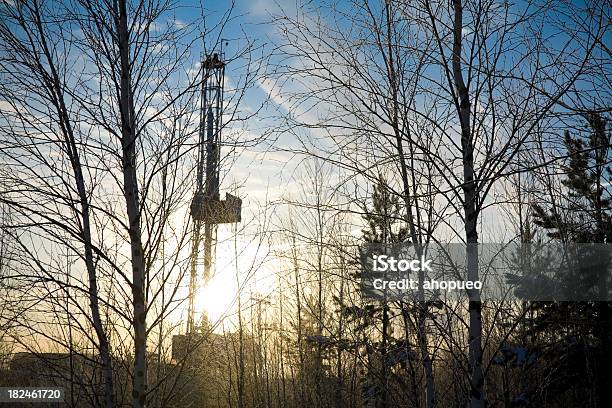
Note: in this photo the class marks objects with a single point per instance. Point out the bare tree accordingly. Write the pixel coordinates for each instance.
(461, 85)
(99, 101)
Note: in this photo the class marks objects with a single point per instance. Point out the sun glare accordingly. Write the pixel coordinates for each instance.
(217, 298)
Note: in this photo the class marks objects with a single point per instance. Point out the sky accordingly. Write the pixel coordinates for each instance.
(262, 176)
(266, 176)
(258, 174)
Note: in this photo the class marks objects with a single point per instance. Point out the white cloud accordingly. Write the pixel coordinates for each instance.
(266, 7)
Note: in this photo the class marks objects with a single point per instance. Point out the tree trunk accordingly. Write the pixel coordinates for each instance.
(130, 183)
(57, 94)
(414, 234)
(477, 399)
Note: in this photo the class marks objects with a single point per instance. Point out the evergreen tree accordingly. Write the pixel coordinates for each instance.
(576, 336)
(385, 217)
(384, 221)
(587, 215)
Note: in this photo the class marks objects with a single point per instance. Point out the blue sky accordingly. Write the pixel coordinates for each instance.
(261, 175)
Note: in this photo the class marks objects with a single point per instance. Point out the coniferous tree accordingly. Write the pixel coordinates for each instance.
(576, 336)
(384, 217)
(587, 216)
(384, 221)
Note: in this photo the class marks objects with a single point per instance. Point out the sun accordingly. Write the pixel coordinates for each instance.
(217, 298)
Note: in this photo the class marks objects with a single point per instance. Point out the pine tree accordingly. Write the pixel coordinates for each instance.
(578, 334)
(384, 221)
(587, 216)
(385, 217)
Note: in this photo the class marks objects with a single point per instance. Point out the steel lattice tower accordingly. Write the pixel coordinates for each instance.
(207, 209)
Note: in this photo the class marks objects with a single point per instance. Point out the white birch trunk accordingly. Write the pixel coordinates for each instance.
(477, 398)
(130, 184)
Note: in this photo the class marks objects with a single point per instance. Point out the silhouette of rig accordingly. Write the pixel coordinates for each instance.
(207, 209)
